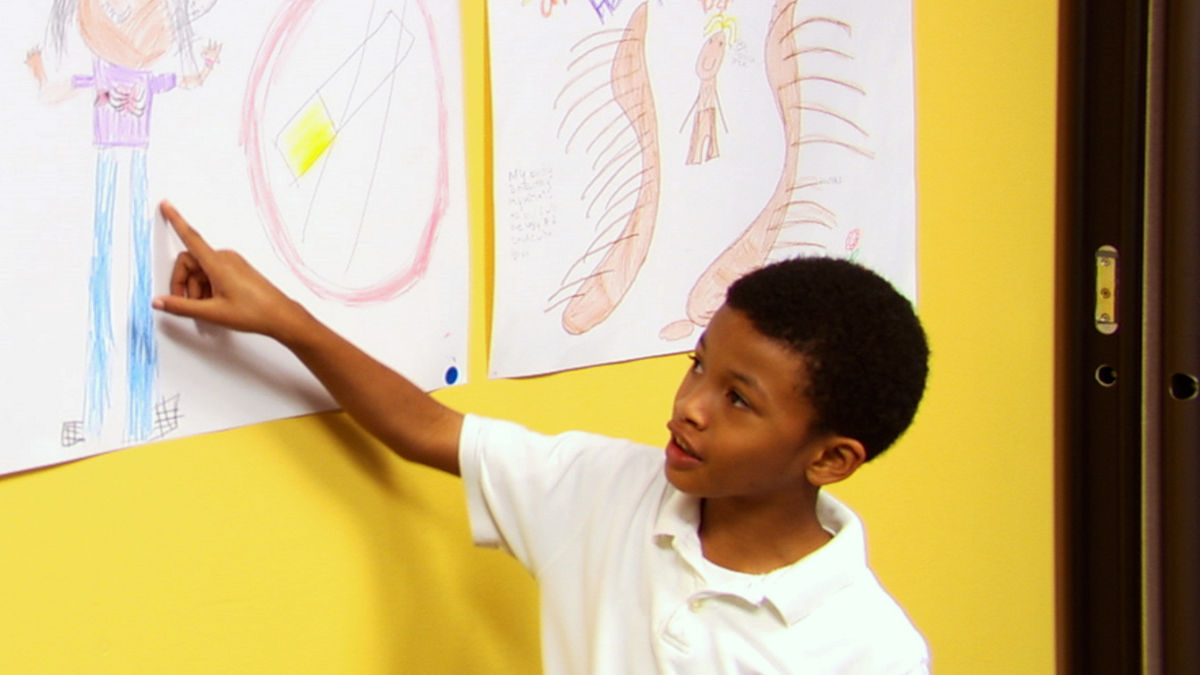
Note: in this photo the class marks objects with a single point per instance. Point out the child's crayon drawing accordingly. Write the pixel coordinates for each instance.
(792, 205)
(602, 8)
(704, 145)
(128, 40)
(692, 142)
(322, 139)
(623, 196)
(376, 110)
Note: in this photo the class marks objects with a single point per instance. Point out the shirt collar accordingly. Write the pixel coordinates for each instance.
(795, 590)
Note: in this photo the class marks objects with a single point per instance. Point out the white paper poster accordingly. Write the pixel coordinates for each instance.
(321, 139)
(649, 153)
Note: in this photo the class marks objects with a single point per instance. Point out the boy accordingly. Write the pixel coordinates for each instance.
(725, 556)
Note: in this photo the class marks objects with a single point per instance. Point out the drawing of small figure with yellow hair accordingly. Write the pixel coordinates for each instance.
(707, 107)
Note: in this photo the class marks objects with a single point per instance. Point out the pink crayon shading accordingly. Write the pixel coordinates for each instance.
(273, 53)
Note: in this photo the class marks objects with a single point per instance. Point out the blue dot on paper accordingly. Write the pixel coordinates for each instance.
(452, 375)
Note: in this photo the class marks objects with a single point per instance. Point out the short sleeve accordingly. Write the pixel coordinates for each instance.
(532, 495)
(163, 83)
(478, 434)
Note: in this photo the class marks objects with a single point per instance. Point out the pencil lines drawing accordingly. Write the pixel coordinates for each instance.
(790, 208)
(383, 93)
(309, 134)
(625, 189)
(126, 38)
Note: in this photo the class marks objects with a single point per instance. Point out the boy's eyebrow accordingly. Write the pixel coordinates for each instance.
(749, 380)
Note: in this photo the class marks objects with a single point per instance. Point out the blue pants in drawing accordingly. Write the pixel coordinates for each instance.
(142, 358)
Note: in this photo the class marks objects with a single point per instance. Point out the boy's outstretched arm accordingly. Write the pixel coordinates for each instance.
(222, 288)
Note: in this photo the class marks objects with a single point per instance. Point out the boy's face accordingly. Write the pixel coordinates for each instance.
(741, 423)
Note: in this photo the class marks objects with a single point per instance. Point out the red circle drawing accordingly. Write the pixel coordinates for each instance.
(273, 54)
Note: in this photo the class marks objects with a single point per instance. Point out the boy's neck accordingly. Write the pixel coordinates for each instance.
(757, 537)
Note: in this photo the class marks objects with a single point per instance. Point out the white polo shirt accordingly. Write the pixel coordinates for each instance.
(624, 585)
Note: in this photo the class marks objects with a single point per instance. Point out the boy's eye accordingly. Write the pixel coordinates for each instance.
(737, 399)
(697, 366)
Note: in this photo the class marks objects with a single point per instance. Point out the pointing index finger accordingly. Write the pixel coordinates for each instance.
(188, 234)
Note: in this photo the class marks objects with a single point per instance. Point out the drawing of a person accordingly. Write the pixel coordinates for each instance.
(126, 38)
(707, 107)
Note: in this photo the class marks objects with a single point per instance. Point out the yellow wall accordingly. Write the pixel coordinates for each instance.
(301, 546)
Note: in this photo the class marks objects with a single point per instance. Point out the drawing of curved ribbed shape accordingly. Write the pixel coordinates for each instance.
(625, 190)
(789, 205)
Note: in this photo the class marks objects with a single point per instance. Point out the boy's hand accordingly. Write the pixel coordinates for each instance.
(222, 288)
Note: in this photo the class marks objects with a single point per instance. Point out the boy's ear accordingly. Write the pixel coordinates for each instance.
(837, 458)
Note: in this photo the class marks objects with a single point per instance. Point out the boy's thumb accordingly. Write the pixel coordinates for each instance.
(186, 307)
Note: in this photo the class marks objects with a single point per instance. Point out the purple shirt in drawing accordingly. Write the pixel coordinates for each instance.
(122, 109)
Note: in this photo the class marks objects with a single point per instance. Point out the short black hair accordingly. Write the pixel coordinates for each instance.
(863, 345)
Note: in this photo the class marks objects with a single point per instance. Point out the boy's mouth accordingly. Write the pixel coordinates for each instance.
(680, 445)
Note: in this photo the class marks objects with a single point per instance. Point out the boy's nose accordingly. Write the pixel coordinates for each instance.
(690, 408)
